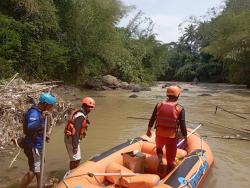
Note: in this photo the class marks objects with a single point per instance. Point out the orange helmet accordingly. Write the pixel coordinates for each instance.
(173, 91)
(88, 101)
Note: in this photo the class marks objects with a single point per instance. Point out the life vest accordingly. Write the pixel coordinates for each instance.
(32, 133)
(70, 126)
(167, 116)
(25, 124)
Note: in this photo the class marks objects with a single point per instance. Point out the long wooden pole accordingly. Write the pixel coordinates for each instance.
(189, 134)
(43, 153)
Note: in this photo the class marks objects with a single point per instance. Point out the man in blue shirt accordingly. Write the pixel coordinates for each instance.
(33, 128)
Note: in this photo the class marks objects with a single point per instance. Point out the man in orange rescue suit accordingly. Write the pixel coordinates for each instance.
(75, 131)
(168, 116)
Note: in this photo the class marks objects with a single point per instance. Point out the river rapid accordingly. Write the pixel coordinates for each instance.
(111, 124)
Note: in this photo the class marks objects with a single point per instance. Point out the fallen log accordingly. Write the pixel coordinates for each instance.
(242, 131)
(37, 90)
(50, 82)
(131, 117)
(228, 137)
(230, 112)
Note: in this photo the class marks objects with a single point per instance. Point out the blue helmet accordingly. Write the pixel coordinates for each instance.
(47, 98)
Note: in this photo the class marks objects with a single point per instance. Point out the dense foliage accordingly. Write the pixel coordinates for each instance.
(76, 39)
(73, 40)
(216, 49)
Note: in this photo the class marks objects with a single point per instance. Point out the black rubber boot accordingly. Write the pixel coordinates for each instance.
(160, 168)
(170, 167)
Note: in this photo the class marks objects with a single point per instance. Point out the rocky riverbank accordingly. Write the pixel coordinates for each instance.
(109, 82)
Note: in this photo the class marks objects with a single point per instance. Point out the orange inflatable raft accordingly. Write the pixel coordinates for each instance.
(133, 164)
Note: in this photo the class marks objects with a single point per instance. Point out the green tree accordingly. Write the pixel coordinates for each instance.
(230, 44)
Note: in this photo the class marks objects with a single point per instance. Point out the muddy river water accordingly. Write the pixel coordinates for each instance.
(111, 125)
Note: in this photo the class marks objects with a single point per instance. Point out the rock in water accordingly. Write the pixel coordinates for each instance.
(133, 96)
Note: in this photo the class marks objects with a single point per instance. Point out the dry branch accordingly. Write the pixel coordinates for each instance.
(15, 98)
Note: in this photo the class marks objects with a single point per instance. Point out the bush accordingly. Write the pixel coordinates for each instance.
(186, 72)
(6, 69)
(209, 72)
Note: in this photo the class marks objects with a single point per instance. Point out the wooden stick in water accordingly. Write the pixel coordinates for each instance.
(228, 137)
(230, 112)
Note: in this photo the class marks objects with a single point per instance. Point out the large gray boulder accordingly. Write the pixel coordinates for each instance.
(134, 87)
(111, 81)
(138, 88)
(95, 84)
(146, 88)
(124, 85)
(108, 82)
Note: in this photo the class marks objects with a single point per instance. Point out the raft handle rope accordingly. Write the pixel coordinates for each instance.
(201, 160)
(91, 174)
(186, 182)
(88, 174)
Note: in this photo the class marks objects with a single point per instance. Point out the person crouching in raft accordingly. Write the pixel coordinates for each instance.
(168, 116)
(75, 131)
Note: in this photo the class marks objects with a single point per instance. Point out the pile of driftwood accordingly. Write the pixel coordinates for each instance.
(16, 96)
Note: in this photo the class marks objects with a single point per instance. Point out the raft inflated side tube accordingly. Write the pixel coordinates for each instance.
(108, 168)
(140, 181)
(116, 168)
